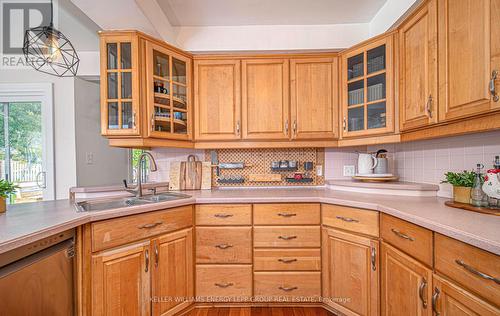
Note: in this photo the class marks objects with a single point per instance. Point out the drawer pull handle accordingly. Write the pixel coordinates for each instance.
(223, 215)
(146, 259)
(287, 237)
(435, 297)
(287, 214)
(287, 260)
(476, 272)
(288, 289)
(151, 225)
(401, 235)
(421, 290)
(347, 219)
(224, 285)
(223, 246)
(157, 255)
(374, 258)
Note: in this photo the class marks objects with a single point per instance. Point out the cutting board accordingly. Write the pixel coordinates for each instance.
(181, 180)
(190, 173)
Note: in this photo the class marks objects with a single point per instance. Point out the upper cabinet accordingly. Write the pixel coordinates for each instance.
(469, 57)
(418, 68)
(265, 99)
(367, 88)
(217, 99)
(314, 98)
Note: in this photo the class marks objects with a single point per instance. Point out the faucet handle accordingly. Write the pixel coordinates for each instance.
(125, 183)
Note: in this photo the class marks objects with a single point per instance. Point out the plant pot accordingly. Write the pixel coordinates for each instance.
(3, 205)
(461, 194)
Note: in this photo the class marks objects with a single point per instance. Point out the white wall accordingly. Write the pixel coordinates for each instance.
(389, 14)
(108, 165)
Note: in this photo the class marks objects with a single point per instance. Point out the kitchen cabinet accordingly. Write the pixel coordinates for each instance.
(406, 284)
(367, 88)
(418, 68)
(469, 50)
(314, 98)
(217, 88)
(121, 281)
(351, 270)
(172, 272)
(265, 99)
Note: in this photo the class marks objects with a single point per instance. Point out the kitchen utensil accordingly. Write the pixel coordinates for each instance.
(366, 163)
(297, 176)
(382, 165)
(308, 165)
(232, 165)
(284, 164)
(292, 164)
(265, 177)
(379, 152)
(190, 172)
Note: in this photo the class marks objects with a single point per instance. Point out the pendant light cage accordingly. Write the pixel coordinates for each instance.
(47, 50)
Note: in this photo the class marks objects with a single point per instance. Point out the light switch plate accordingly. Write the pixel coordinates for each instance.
(319, 170)
(349, 170)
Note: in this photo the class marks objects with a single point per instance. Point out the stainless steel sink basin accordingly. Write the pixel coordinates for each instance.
(109, 204)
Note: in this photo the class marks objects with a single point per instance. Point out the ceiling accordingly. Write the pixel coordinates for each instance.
(268, 12)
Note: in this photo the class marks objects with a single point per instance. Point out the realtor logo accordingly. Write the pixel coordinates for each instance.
(17, 16)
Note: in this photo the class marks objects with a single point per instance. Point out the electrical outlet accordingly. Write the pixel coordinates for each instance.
(89, 157)
(319, 170)
(349, 170)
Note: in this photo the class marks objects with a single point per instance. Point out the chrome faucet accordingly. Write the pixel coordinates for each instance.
(152, 167)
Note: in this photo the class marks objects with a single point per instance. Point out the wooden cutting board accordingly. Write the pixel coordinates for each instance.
(175, 175)
(190, 174)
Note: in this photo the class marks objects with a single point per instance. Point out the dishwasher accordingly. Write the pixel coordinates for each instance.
(37, 279)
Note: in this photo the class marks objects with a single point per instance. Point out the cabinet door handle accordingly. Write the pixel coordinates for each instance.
(288, 289)
(238, 128)
(344, 125)
(295, 127)
(152, 122)
(286, 127)
(347, 219)
(223, 215)
(224, 285)
(287, 260)
(287, 237)
(287, 214)
(421, 290)
(428, 106)
(401, 235)
(150, 225)
(157, 255)
(374, 258)
(146, 258)
(223, 246)
(435, 298)
(133, 120)
(476, 272)
(494, 94)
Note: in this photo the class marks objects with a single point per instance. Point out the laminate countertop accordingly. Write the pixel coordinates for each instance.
(24, 223)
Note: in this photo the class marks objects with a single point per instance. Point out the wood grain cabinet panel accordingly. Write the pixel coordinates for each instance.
(265, 99)
(217, 99)
(287, 236)
(223, 281)
(469, 46)
(223, 214)
(406, 284)
(287, 214)
(314, 98)
(418, 68)
(351, 271)
(121, 281)
(223, 245)
(172, 272)
(287, 260)
(352, 219)
(286, 285)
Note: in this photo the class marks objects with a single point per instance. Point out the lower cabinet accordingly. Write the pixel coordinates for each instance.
(350, 272)
(406, 284)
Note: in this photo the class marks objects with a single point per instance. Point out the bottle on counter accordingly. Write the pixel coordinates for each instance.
(478, 198)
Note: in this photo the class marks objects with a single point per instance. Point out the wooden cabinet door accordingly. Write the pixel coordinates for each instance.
(217, 99)
(418, 69)
(406, 284)
(469, 50)
(350, 270)
(265, 100)
(172, 266)
(314, 98)
(121, 281)
(450, 299)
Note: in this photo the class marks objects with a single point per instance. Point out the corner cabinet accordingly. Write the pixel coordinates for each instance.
(145, 91)
(367, 88)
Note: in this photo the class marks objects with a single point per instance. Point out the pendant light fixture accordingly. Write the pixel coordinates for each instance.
(49, 51)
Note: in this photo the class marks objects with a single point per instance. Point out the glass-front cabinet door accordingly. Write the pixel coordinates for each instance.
(367, 93)
(119, 85)
(168, 96)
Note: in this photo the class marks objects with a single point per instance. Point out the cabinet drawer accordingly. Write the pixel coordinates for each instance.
(286, 214)
(224, 214)
(286, 236)
(287, 284)
(223, 280)
(352, 219)
(286, 260)
(224, 245)
(119, 231)
(463, 263)
(412, 239)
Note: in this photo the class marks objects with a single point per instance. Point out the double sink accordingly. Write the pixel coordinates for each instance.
(109, 204)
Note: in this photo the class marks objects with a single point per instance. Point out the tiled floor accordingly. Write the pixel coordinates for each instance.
(260, 311)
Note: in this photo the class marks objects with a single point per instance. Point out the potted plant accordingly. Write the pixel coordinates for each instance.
(7, 188)
(462, 184)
